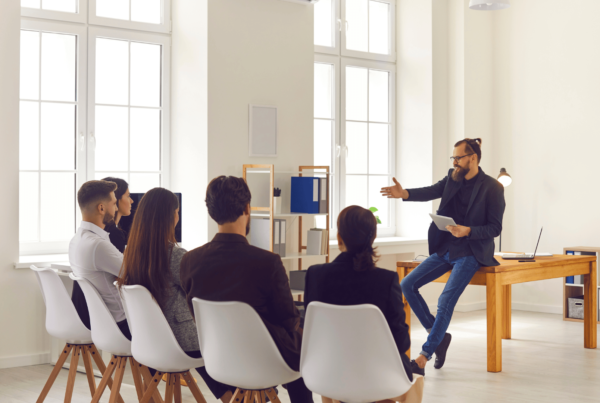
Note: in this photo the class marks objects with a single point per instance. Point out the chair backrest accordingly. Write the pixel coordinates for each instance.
(349, 354)
(237, 347)
(62, 320)
(105, 333)
(153, 343)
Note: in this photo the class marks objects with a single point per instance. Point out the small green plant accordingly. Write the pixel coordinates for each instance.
(374, 210)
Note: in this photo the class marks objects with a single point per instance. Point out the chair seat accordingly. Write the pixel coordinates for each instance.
(258, 383)
(180, 363)
(80, 341)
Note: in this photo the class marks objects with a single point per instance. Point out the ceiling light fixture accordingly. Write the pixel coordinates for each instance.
(489, 5)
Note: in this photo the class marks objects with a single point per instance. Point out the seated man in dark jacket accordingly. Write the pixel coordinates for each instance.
(353, 279)
(229, 269)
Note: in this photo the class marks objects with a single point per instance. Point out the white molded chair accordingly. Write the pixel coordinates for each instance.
(238, 350)
(108, 337)
(155, 345)
(62, 321)
(349, 354)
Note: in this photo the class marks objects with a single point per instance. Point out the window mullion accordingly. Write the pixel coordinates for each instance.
(39, 220)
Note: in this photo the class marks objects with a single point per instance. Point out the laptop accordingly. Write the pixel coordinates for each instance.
(522, 256)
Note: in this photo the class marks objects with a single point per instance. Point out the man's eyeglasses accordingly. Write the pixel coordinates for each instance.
(457, 159)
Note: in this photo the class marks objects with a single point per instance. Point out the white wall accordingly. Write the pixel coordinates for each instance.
(525, 81)
(23, 339)
(414, 111)
(189, 114)
(546, 97)
(440, 100)
(259, 51)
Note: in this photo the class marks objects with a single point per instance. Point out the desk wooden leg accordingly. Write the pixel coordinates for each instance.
(401, 274)
(507, 311)
(494, 323)
(590, 304)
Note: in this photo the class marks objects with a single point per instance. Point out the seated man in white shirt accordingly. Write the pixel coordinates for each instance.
(91, 254)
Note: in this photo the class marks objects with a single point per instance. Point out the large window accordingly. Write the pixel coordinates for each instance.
(354, 113)
(94, 103)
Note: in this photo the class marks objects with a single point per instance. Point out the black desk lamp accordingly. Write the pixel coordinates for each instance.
(505, 179)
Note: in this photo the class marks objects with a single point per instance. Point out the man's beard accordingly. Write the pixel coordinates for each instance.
(459, 173)
(107, 219)
(248, 227)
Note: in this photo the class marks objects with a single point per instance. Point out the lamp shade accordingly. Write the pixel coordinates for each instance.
(489, 5)
(504, 178)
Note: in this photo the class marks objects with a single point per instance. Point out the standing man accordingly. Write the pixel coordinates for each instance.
(476, 203)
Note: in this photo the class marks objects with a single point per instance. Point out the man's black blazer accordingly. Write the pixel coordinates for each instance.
(230, 269)
(484, 213)
(338, 283)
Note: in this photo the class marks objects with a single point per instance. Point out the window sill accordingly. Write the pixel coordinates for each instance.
(39, 260)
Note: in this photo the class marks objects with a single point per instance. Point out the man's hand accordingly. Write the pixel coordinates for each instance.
(459, 231)
(421, 361)
(395, 192)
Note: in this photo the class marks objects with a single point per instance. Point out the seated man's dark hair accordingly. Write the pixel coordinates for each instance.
(226, 198)
(93, 192)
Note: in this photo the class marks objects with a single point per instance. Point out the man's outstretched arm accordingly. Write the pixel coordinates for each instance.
(420, 194)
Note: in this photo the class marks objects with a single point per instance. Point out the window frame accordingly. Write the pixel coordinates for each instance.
(337, 31)
(40, 247)
(335, 177)
(391, 69)
(163, 27)
(135, 36)
(79, 16)
(367, 55)
(84, 25)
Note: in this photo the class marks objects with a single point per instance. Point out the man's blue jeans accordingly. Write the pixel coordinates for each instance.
(463, 270)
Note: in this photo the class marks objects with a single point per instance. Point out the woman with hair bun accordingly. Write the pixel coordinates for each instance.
(353, 279)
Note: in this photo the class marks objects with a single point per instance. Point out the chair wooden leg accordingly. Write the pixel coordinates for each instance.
(89, 370)
(156, 397)
(272, 395)
(72, 373)
(153, 384)
(137, 378)
(170, 388)
(238, 395)
(59, 363)
(100, 364)
(112, 365)
(178, 388)
(119, 372)
(248, 397)
(189, 379)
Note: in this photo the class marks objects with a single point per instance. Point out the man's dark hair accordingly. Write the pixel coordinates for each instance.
(93, 192)
(471, 146)
(226, 198)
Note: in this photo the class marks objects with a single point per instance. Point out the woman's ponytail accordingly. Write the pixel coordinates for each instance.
(358, 229)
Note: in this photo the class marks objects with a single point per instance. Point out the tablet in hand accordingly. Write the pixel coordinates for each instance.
(442, 222)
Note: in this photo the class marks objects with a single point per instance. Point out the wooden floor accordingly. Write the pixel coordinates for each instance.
(544, 362)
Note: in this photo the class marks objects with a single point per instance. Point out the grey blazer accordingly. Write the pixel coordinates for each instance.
(175, 307)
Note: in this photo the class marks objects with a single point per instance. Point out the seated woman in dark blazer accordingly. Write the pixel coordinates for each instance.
(353, 279)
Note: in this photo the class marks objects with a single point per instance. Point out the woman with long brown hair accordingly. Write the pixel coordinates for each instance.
(152, 259)
(353, 279)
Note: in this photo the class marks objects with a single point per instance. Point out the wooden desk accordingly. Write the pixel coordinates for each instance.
(498, 281)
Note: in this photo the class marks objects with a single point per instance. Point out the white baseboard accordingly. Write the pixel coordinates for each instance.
(24, 360)
(516, 306)
(519, 306)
